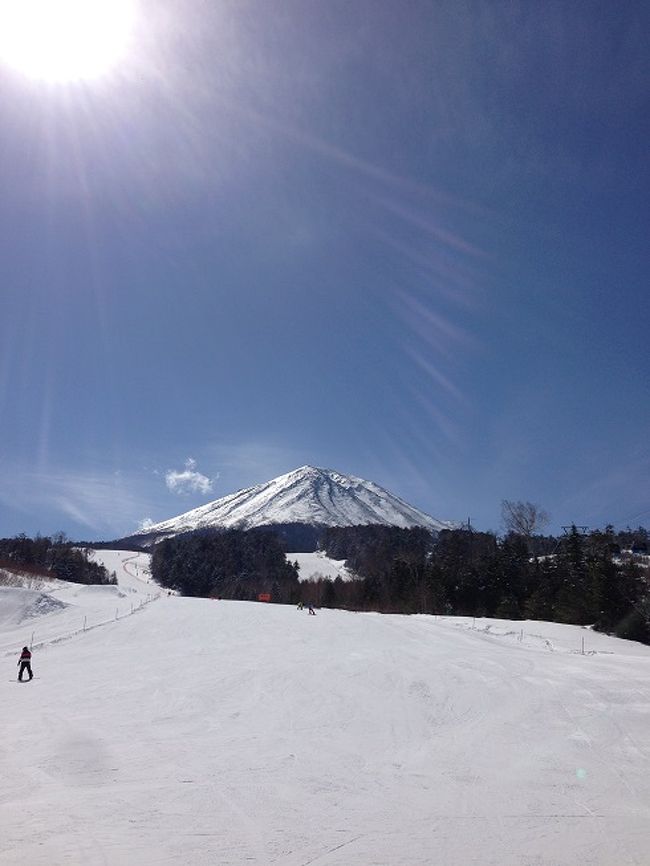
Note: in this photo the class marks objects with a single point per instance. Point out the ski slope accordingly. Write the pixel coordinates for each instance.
(315, 566)
(56, 610)
(232, 733)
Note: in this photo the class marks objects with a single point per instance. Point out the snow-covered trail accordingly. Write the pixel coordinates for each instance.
(210, 732)
(75, 607)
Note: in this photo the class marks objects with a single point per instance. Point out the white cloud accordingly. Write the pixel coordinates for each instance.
(145, 524)
(189, 480)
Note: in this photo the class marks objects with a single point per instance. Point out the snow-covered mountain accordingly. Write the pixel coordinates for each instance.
(318, 497)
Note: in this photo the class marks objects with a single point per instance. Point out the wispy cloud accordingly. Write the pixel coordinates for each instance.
(188, 480)
(440, 334)
(613, 495)
(102, 502)
(257, 459)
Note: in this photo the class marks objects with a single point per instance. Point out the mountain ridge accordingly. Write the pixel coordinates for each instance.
(307, 495)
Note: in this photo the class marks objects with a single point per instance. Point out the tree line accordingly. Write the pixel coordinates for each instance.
(231, 564)
(585, 580)
(582, 578)
(52, 558)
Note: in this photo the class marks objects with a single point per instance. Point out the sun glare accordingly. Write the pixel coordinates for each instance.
(65, 40)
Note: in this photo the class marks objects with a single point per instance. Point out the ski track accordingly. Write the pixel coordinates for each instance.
(234, 733)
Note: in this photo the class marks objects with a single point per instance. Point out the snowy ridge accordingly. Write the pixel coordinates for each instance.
(306, 495)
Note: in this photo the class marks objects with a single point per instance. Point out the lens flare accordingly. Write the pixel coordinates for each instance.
(65, 40)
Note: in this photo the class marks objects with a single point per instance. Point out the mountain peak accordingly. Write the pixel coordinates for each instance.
(309, 495)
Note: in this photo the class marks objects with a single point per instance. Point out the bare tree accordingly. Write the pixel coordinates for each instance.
(523, 518)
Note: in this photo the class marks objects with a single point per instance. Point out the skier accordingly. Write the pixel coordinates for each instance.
(311, 610)
(25, 662)
(300, 605)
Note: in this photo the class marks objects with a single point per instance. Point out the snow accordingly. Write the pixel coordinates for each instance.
(70, 607)
(317, 565)
(18, 605)
(232, 733)
(547, 636)
(306, 495)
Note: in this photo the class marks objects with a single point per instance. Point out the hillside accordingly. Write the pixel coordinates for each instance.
(231, 733)
(317, 497)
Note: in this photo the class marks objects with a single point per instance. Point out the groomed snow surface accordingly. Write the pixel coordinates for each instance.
(207, 732)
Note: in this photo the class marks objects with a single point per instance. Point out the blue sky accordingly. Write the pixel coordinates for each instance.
(406, 241)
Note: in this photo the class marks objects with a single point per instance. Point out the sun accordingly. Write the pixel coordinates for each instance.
(65, 40)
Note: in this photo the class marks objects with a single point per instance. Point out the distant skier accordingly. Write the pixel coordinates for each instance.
(25, 663)
(311, 610)
(300, 605)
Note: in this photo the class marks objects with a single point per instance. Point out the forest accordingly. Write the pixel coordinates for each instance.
(233, 564)
(51, 558)
(586, 578)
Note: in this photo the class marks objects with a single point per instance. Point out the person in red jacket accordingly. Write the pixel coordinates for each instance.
(25, 662)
